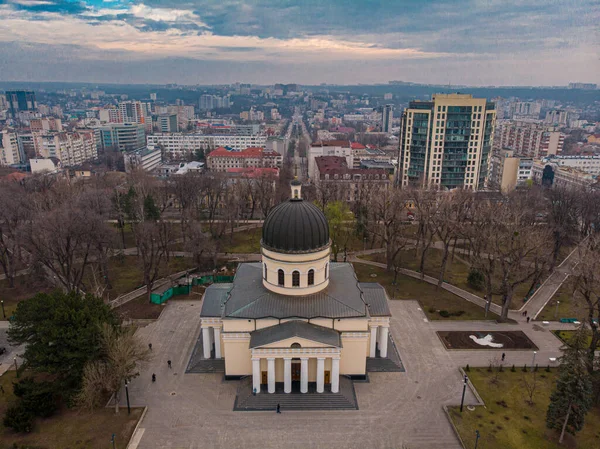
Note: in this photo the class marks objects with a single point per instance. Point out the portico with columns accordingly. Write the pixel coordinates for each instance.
(211, 338)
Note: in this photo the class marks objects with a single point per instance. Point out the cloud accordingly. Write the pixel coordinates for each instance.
(455, 37)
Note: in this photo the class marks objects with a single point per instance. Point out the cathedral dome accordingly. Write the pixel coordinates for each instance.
(295, 226)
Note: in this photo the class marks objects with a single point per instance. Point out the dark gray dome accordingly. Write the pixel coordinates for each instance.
(295, 226)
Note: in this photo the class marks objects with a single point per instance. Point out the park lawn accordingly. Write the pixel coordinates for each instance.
(243, 242)
(126, 275)
(457, 271)
(431, 299)
(514, 424)
(566, 336)
(69, 428)
(572, 305)
(25, 287)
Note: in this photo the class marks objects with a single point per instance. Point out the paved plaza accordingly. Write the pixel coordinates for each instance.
(196, 410)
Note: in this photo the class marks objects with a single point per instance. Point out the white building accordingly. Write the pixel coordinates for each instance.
(182, 144)
(43, 165)
(557, 117)
(70, 148)
(340, 148)
(587, 164)
(142, 159)
(10, 150)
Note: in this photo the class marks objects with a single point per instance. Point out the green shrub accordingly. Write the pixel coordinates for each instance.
(458, 313)
(548, 369)
(490, 368)
(513, 369)
(18, 418)
(38, 398)
(475, 279)
(432, 310)
(444, 313)
(467, 369)
(524, 368)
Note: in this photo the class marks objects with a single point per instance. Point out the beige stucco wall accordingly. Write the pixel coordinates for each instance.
(238, 325)
(238, 361)
(295, 262)
(323, 322)
(351, 324)
(266, 322)
(353, 358)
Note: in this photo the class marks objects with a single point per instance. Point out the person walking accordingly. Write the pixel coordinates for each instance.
(169, 364)
(528, 318)
(153, 377)
(503, 355)
(278, 408)
(150, 346)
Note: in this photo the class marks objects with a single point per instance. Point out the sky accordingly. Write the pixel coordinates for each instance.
(468, 42)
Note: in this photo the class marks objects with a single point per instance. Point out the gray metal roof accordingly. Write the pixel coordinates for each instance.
(250, 299)
(295, 328)
(214, 297)
(376, 299)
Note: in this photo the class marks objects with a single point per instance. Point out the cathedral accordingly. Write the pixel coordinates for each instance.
(295, 318)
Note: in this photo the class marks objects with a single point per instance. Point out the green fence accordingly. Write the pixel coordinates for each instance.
(164, 293)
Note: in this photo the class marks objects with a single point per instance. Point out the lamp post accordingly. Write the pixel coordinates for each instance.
(462, 401)
(112, 440)
(3, 313)
(127, 396)
(477, 435)
(556, 311)
(533, 361)
(16, 367)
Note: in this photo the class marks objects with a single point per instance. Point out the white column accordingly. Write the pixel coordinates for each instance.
(217, 342)
(271, 374)
(304, 375)
(335, 375)
(320, 374)
(287, 375)
(383, 342)
(373, 341)
(206, 342)
(256, 375)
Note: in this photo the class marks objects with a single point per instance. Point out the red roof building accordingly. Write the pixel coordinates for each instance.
(223, 159)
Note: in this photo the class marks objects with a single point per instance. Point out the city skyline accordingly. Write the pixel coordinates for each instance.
(478, 43)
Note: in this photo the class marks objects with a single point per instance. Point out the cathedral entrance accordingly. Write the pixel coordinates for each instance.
(265, 378)
(296, 371)
(327, 377)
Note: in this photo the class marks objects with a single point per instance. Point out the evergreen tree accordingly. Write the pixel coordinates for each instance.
(572, 397)
(151, 211)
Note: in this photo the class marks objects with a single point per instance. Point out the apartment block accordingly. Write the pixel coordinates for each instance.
(447, 142)
(181, 145)
(222, 159)
(70, 148)
(10, 150)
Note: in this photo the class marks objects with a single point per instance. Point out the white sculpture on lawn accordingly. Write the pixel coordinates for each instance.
(488, 340)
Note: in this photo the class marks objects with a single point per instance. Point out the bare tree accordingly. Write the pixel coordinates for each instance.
(530, 384)
(122, 353)
(14, 213)
(426, 205)
(152, 240)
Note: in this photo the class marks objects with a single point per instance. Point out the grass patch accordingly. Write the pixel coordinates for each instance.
(126, 275)
(566, 336)
(572, 305)
(141, 308)
(457, 271)
(243, 242)
(69, 429)
(508, 422)
(432, 300)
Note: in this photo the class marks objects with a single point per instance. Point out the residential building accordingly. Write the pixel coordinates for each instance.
(525, 109)
(447, 142)
(109, 115)
(333, 173)
(132, 112)
(508, 170)
(122, 136)
(11, 152)
(386, 118)
(45, 124)
(341, 148)
(278, 144)
(388, 96)
(222, 159)
(594, 138)
(70, 148)
(167, 123)
(44, 165)
(20, 101)
(208, 102)
(142, 159)
(181, 145)
(586, 164)
(550, 174)
(528, 139)
(557, 117)
(590, 86)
